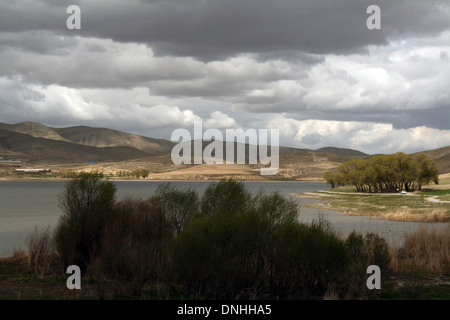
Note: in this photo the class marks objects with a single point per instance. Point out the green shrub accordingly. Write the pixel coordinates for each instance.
(177, 206)
(215, 257)
(225, 197)
(366, 250)
(254, 249)
(309, 259)
(87, 204)
(133, 248)
(134, 252)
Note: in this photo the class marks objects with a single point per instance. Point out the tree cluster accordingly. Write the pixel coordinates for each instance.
(225, 244)
(385, 173)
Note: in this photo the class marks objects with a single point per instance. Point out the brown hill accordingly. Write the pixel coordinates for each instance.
(39, 150)
(80, 146)
(33, 129)
(103, 137)
(94, 137)
(442, 158)
(343, 152)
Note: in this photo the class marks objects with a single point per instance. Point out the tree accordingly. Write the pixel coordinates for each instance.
(176, 205)
(87, 203)
(226, 196)
(385, 173)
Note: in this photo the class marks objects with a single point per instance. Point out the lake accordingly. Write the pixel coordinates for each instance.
(25, 205)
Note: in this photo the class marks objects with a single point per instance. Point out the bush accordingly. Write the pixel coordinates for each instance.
(366, 250)
(309, 260)
(177, 206)
(225, 197)
(424, 253)
(133, 252)
(133, 248)
(254, 249)
(41, 251)
(87, 204)
(216, 257)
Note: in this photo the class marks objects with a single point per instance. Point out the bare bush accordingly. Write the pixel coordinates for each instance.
(41, 251)
(424, 253)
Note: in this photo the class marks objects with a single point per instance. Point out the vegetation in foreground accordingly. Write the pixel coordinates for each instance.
(227, 244)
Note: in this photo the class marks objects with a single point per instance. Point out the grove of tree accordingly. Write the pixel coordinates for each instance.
(385, 173)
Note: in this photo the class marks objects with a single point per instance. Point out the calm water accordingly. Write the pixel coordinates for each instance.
(25, 205)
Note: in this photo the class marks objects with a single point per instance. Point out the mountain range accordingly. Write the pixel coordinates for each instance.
(35, 144)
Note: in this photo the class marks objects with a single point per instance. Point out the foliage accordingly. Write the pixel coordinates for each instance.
(227, 196)
(385, 173)
(87, 203)
(366, 250)
(255, 248)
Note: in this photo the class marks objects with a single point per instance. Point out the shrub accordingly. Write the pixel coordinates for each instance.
(424, 253)
(366, 250)
(225, 197)
(87, 204)
(177, 206)
(41, 251)
(133, 251)
(254, 249)
(133, 248)
(309, 259)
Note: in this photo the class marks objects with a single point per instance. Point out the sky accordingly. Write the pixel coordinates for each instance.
(310, 68)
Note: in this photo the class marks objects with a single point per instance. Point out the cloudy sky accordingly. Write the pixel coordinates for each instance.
(310, 68)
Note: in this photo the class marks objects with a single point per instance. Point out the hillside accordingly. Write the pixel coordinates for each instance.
(33, 129)
(343, 152)
(103, 137)
(46, 151)
(93, 137)
(86, 148)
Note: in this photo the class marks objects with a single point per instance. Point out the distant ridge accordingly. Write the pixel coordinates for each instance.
(343, 152)
(104, 137)
(33, 129)
(30, 149)
(35, 143)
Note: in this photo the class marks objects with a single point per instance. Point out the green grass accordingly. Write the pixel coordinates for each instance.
(376, 204)
(414, 292)
(435, 192)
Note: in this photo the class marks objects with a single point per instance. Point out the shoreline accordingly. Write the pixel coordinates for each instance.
(337, 201)
(168, 180)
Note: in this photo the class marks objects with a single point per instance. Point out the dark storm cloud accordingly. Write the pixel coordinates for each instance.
(437, 118)
(214, 30)
(308, 67)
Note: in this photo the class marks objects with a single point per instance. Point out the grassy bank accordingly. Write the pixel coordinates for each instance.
(432, 204)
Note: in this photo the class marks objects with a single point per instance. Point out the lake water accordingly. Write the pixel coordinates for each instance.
(25, 205)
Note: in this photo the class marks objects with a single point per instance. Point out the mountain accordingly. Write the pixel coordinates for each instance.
(30, 149)
(343, 152)
(103, 137)
(33, 129)
(36, 144)
(442, 158)
(76, 144)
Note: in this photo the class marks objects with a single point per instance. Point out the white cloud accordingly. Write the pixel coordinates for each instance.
(220, 120)
(368, 137)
